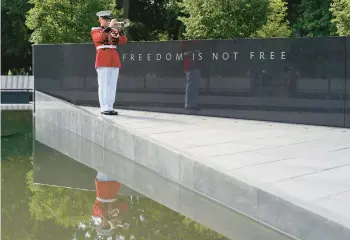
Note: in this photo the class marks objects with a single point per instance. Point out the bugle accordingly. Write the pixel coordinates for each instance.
(123, 24)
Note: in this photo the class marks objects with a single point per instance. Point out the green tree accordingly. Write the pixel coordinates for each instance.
(277, 25)
(67, 207)
(173, 27)
(149, 18)
(65, 21)
(154, 20)
(16, 48)
(315, 18)
(340, 10)
(292, 11)
(211, 19)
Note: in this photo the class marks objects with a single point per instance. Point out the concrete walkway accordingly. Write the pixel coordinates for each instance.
(294, 178)
(308, 164)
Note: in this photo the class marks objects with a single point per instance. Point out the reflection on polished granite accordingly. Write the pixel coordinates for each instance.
(295, 80)
(65, 159)
(253, 162)
(56, 169)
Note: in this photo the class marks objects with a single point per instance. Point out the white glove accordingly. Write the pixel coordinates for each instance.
(115, 34)
(112, 23)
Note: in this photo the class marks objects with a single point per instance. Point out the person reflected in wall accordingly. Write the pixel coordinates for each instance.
(292, 79)
(106, 38)
(254, 75)
(193, 74)
(264, 82)
(108, 209)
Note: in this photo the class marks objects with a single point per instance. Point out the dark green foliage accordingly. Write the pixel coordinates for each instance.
(314, 18)
(62, 21)
(15, 47)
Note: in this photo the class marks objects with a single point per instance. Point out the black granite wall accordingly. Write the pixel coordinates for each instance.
(299, 80)
(347, 85)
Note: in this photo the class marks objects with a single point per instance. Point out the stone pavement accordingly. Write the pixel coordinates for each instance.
(294, 178)
(310, 164)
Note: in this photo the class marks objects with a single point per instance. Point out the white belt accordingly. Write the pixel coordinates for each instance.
(106, 200)
(106, 46)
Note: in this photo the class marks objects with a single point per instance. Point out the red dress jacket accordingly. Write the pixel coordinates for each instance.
(106, 199)
(106, 42)
(189, 48)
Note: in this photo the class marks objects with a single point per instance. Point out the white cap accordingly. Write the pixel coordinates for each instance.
(105, 13)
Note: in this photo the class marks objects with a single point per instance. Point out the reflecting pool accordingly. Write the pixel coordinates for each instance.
(57, 185)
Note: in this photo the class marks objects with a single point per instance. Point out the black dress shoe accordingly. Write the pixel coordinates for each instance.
(114, 112)
(110, 112)
(106, 113)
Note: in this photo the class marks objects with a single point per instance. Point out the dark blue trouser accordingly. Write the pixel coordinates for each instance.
(192, 88)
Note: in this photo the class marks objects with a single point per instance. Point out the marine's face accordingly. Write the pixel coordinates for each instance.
(103, 22)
